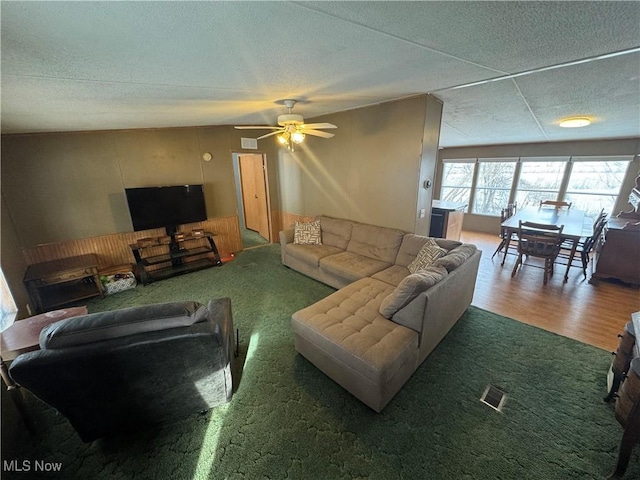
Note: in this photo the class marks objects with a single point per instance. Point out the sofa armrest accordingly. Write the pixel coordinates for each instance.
(222, 320)
(446, 302)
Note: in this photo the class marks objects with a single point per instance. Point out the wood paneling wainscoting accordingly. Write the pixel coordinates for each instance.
(288, 220)
(114, 249)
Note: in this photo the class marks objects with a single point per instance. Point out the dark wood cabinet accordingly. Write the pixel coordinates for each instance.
(446, 219)
(61, 282)
(619, 256)
(627, 408)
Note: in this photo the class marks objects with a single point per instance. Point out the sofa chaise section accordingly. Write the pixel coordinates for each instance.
(345, 336)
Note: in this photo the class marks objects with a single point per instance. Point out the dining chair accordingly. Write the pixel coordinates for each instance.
(541, 241)
(507, 212)
(586, 246)
(554, 204)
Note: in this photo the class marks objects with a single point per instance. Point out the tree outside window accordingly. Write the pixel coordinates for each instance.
(539, 180)
(493, 186)
(457, 178)
(595, 184)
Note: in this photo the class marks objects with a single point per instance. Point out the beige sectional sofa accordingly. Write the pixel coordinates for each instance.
(382, 322)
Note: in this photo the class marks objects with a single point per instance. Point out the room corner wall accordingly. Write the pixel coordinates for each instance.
(428, 163)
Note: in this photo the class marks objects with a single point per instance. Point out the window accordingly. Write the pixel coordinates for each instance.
(486, 184)
(540, 179)
(457, 179)
(494, 185)
(594, 183)
(8, 307)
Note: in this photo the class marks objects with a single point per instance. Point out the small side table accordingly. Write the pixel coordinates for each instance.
(24, 336)
(60, 282)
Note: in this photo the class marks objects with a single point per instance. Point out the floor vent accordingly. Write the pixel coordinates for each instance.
(494, 397)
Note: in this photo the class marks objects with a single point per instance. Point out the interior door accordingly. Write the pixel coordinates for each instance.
(254, 193)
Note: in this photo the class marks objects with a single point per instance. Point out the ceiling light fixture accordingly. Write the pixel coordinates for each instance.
(297, 137)
(574, 122)
(291, 136)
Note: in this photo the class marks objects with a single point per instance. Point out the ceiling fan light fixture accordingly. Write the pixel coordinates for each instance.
(297, 137)
(283, 138)
(574, 122)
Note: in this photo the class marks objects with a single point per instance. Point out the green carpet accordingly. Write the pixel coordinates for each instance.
(251, 238)
(288, 420)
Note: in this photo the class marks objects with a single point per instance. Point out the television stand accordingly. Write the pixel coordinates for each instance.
(184, 253)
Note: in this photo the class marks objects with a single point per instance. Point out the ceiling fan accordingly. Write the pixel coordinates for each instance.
(292, 129)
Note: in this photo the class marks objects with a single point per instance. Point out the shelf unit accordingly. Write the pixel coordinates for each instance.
(61, 282)
(177, 258)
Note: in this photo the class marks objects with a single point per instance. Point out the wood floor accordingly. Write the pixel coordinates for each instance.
(592, 314)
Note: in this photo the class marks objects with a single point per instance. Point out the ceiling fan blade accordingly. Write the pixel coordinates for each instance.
(269, 134)
(319, 125)
(318, 133)
(253, 127)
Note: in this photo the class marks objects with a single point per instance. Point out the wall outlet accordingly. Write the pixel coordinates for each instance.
(423, 212)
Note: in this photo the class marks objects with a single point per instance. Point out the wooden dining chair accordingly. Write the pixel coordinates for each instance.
(540, 241)
(554, 204)
(584, 247)
(507, 212)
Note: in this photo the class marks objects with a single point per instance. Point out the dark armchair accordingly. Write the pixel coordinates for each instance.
(121, 370)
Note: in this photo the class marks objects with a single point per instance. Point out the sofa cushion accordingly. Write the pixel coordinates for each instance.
(448, 244)
(101, 326)
(428, 254)
(310, 254)
(456, 257)
(392, 275)
(307, 233)
(379, 243)
(409, 248)
(336, 232)
(351, 266)
(347, 325)
(409, 288)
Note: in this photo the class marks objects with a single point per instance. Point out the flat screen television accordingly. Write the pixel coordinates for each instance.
(168, 207)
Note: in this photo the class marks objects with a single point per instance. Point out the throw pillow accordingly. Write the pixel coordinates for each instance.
(307, 233)
(409, 288)
(428, 254)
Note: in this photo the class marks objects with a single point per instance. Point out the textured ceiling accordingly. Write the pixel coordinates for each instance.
(72, 66)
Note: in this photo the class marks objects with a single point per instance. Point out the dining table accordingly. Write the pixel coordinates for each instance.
(572, 219)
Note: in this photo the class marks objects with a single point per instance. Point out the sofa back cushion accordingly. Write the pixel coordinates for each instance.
(378, 243)
(336, 232)
(456, 257)
(102, 326)
(409, 288)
